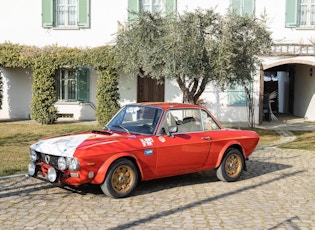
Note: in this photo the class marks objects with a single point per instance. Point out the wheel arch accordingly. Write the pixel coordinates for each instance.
(102, 172)
(223, 151)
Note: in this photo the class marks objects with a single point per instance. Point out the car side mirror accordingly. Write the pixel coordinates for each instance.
(172, 129)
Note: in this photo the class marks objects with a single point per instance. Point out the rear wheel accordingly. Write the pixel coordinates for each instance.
(121, 179)
(231, 166)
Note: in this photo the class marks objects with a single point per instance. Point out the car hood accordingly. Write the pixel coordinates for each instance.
(67, 145)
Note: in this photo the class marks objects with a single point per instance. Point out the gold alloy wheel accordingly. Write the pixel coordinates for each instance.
(233, 165)
(123, 179)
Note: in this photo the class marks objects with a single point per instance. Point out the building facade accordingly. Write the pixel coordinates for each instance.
(90, 23)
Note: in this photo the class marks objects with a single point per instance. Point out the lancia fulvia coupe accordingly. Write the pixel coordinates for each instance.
(144, 141)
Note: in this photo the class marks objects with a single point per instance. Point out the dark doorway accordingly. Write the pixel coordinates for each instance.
(150, 90)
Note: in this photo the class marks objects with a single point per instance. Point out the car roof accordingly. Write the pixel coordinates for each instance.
(167, 105)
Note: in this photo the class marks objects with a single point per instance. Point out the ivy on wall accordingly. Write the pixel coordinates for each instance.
(44, 63)
(1, 89)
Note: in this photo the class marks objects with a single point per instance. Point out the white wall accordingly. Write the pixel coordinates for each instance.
(17, 93)
(304, 93)
(127, 90)
(275, 11)
(21, 23)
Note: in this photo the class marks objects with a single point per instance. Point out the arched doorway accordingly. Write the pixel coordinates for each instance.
(293, 81)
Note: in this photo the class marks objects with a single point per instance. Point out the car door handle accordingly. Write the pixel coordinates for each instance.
(206, 138)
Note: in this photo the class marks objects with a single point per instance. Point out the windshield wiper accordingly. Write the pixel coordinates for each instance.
(102, 132)
(124, 128)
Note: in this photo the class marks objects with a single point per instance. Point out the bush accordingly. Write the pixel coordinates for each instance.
(44, 63)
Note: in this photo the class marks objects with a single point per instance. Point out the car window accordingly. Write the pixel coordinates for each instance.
(186, 120)
(208, 122)
(137, 119)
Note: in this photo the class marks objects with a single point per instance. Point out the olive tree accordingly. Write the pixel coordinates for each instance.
(194, 48)
(243, 39)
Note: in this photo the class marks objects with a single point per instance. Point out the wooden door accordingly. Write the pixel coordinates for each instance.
(150, 90)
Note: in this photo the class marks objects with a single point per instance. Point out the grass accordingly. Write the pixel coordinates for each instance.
(266, 136)
(304, 140)
(15, 140)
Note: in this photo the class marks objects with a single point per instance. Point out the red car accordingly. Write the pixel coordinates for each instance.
(144, 141)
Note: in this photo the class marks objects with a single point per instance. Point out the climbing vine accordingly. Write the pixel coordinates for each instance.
(44, 62)
(1, 89)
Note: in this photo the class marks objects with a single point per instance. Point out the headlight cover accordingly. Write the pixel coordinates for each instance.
(74, 164)
(33, 155)
(31, 169)
(62, 163)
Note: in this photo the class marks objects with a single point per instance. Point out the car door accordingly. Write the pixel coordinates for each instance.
(186, 150)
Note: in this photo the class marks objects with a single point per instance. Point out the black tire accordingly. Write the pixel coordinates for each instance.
(121, 179)
(231, 166)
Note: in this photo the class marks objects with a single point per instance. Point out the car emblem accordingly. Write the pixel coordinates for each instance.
(47, 159)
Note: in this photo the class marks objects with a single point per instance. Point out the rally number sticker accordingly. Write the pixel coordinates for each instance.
(147, 141)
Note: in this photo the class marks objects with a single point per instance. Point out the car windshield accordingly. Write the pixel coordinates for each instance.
(136, 119)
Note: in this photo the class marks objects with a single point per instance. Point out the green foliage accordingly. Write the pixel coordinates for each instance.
(107, 95)
(242, 39)
(44, 63)
(194, 49)
(1, 89)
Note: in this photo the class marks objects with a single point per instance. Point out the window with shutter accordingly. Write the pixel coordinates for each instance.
(66, 13)
(300, 13)
(165, 7)
(237, 95)
(243, 7)
(73, 84)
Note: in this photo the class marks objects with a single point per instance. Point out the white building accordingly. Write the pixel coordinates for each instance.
(92, 23)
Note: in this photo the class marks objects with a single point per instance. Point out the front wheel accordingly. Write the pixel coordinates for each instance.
(231, 166)
(121, 179)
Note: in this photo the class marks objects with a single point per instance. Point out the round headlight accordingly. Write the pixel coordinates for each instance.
(31, 169)
(74, 164)
(33, 155)
(62, 163)
(52, 175)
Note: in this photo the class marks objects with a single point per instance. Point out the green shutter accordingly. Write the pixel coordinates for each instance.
(235, 6)
(48, 13)
(249, 8)
(291, 13)
(84, 14)
(171, 7)
(133, 7)
(83, 84)
(237, 95)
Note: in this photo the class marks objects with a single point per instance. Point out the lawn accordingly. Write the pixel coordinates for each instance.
(16, 138)
(304, 140)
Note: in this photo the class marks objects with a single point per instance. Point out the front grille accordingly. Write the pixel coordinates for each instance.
(48, 159)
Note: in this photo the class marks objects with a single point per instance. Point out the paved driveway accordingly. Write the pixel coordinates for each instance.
(277, 192)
